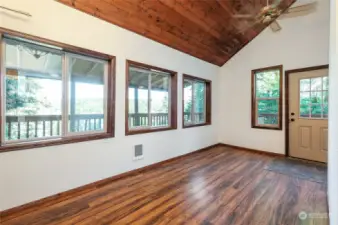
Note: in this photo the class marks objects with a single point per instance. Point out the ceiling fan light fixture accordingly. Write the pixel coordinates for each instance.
(267, 19)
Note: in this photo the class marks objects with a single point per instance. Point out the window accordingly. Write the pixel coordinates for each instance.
(267, 98)
(196, 101)
(314, 97)
(151, 99)
(52, 96)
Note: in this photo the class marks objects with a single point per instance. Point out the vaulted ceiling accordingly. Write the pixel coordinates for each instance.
(206, 29)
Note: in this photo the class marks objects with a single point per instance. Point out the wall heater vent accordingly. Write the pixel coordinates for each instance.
(138, 152)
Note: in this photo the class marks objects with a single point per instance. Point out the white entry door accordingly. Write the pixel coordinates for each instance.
(308, 114)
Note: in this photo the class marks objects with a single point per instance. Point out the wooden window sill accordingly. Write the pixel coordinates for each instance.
(196, 125)
(53, 142)
(144, 131)
(267, 128)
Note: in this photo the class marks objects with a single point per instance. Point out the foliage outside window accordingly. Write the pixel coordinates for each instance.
(267, 98)
(196, 101)
(314, 97)
(150, 99)
(50, 93)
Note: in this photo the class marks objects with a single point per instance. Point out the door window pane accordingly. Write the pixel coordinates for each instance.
(86, 95)
(316, 84)
(313, 102)
(325, 97)
(316, 110)
(33, 91)
(304, 111)
(305, 85)
(316, 97)
(159, 100)
(304, 98)
(325, 83)
(325, 110)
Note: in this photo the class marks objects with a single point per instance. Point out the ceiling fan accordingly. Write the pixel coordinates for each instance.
(269, 13)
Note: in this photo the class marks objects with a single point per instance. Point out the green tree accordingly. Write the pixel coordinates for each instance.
(267, 86)
(199, 99)
(26, 101)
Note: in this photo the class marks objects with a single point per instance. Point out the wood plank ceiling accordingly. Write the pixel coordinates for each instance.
(205, 29)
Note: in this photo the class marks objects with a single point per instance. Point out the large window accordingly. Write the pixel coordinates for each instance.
(267, 98)
(196, 101)
(52, 96)
(151, 99)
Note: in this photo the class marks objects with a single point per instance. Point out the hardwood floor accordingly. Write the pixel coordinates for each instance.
(218, 186)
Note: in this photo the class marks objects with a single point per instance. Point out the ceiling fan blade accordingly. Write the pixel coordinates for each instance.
(307, 7)
(275, 26)
(296, 11)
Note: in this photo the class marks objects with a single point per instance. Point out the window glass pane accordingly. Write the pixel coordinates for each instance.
(138, 98)
(199, 102)
(267, 84)
(160, 99)
(304, 98)
(187, 101)
(86, 96)
(325, 97)
(305, 85)
(267, 111)
(316, 84)
(325, 83)
(33, 91)
(316, 97)
(325, 110)
(316, 111)
(304, 111)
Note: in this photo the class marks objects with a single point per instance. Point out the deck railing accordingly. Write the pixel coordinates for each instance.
(268, 118)
(24, 127)
(158, 119)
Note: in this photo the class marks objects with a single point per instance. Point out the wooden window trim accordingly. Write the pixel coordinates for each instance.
(208, 101)
(110, 96)
(280, 103)
(173, 98)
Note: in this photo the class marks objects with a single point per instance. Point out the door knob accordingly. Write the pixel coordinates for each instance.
(292, 114)
(292, 120)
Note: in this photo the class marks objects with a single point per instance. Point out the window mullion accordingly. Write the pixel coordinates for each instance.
(65, 73)
(3, 92)
(169, 102)
(205, 103)
(193, 103)
(149, 99)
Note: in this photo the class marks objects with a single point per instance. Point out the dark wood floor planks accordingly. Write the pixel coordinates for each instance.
(218, 186)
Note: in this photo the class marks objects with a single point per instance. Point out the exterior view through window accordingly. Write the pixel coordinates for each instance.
(48, 93)
(314, 97)
(267, 98)
(149, 98)
(196, 99)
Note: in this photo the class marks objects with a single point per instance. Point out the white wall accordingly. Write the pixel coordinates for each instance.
(333, 120)
(303, 42)
(33, 174)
